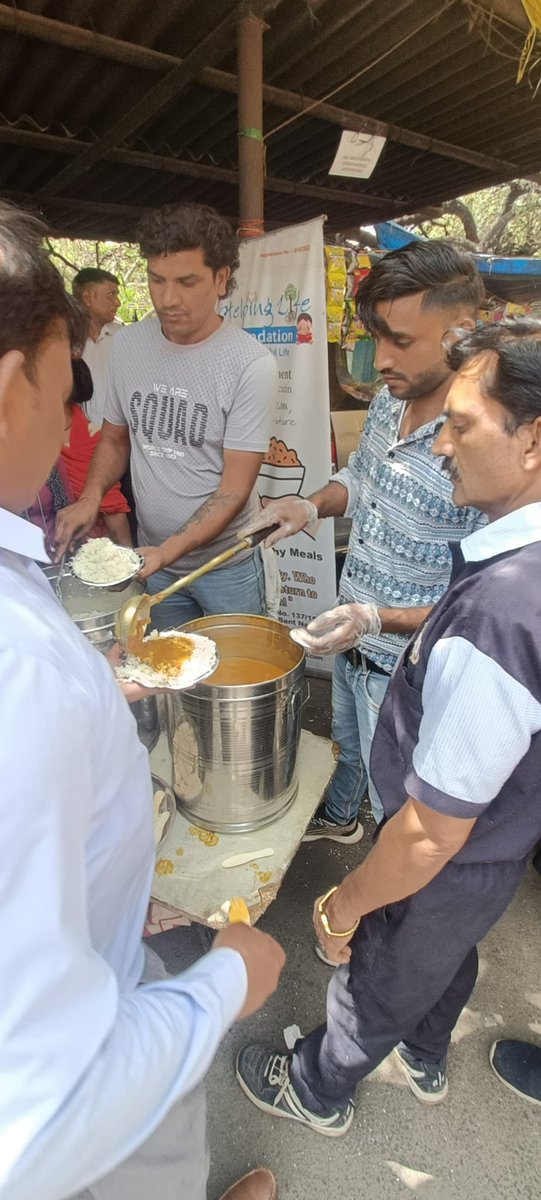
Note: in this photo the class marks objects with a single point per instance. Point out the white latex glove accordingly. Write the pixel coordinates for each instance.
(292, 514)
(339, 629)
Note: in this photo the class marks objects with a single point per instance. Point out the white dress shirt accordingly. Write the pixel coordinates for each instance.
(96, 355)
(90, 1062)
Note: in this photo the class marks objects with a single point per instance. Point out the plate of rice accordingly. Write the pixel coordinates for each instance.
(171, 660)
(101, 563)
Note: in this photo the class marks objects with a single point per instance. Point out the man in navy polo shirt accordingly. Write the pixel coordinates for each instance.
(457, 761)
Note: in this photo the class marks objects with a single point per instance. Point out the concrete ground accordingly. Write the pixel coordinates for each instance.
(483, 1143)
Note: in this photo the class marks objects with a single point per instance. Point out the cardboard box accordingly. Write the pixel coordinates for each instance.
(347, 427)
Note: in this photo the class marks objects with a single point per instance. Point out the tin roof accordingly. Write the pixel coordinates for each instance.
(122, 107)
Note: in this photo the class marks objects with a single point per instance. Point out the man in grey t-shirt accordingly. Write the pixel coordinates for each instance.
(191, 396)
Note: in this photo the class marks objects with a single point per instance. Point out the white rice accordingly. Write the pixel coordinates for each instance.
(101, 561)
(201, 663)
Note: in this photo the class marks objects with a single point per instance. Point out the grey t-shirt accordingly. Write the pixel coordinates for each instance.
(185, 405)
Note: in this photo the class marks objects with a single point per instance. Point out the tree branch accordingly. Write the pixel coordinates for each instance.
(452, 208)
(491, 239)
(130, 271)
(497, 220)
(457, 208)
(55, 254)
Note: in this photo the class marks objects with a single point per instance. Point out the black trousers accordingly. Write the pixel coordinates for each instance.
(412, 969)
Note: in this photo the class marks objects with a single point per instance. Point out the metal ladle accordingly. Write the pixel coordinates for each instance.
(134, 616)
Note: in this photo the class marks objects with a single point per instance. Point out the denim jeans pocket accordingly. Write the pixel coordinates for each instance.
(374, 687)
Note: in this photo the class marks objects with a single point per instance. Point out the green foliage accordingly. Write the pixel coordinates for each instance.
(123, 259)
(506, 218)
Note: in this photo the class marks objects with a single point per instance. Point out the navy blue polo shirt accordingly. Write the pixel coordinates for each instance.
(460, 726)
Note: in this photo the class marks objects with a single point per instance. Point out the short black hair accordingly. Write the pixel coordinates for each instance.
(87, 276)
(177, 227)
(514, 377)
(445, 272)
(304, 317)
(32, 295)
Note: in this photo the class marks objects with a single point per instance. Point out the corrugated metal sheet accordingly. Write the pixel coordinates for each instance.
(424, 67)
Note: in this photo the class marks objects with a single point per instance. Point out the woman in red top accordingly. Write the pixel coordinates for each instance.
(68, 476)
(76, 456)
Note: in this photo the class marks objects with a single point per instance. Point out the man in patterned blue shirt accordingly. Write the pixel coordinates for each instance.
(398, 563)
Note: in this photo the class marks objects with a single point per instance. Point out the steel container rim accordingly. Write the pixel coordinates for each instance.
(208, 692)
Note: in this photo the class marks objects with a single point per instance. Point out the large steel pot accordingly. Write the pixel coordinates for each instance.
(234, 747)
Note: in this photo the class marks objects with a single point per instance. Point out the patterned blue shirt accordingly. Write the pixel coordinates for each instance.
(403, 520)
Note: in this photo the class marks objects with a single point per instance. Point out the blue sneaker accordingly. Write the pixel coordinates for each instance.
(427, 1081)
(264, 1077)
(321, 827)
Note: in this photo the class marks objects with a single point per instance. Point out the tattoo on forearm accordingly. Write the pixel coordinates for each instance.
(233, 501)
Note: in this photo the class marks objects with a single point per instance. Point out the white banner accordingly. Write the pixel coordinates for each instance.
(280, 300)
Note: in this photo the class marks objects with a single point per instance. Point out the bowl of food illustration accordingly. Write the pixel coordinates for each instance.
(281, 473)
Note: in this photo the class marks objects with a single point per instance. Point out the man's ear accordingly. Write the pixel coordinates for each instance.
(452, 333)
(10, 366)
(530, 436)
(86, 295)
(222, 279)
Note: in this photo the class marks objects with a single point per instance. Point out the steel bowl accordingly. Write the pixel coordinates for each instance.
(95, 610)
(168, 803)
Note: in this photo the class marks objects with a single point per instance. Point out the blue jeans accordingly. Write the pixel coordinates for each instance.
(238, 587)
(356, 698)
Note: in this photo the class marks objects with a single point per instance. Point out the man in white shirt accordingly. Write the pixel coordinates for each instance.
(96, 290)
(101, 1053)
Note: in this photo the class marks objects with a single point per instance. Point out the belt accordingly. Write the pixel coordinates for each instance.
(358, 659)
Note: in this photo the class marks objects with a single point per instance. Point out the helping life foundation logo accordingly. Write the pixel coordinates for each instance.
(288, 322)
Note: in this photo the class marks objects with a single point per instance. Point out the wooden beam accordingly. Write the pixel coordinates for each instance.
(162, 94)
(73, 37)
(394, 133)
(60, 204)
(59, 33)
(95, 207)
(176, 166)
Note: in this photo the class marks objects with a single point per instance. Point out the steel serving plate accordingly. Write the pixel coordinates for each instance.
(139, 676)
(111, 583)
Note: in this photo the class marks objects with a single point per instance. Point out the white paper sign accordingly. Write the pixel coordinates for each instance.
(357, 154)
(279, 299)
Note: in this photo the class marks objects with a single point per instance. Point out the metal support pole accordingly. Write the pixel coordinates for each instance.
(250, 109)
